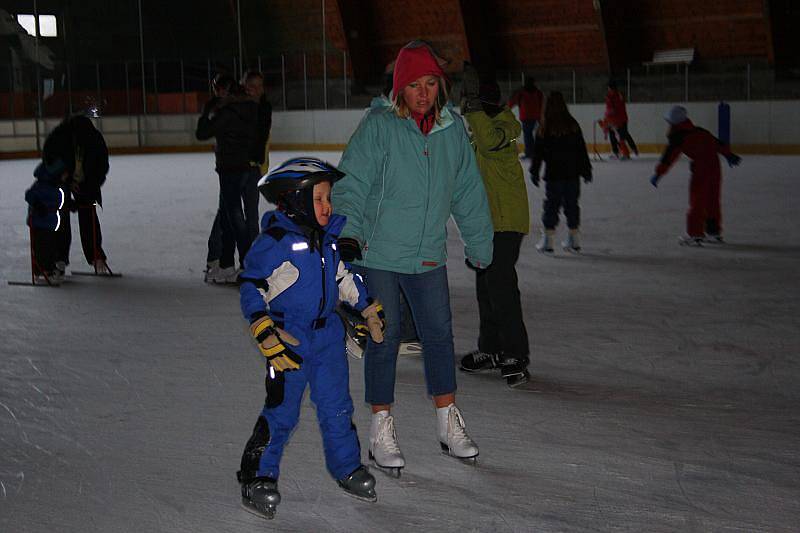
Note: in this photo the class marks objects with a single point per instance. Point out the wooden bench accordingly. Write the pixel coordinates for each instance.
(677, 57)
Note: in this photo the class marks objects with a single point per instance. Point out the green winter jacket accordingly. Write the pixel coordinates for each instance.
(495, 142)
(401, 188)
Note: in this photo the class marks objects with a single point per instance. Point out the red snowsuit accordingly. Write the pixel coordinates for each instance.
(529, 102)
(705, 213)
(616, 114)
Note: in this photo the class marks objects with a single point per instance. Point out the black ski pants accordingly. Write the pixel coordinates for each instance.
(624, 136)
(563, 193)
(502, 328)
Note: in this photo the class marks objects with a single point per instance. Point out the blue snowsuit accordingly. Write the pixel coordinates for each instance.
(298, 285)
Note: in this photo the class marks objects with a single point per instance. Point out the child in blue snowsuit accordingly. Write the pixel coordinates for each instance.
(291, 284)
(45, 201)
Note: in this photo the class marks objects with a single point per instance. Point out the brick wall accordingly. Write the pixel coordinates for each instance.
(717, 29)
(549, 32)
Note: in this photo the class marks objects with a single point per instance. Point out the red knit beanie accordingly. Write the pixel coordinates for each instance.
(412, 64)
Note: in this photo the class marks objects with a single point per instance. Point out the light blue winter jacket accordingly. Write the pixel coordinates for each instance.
(401, 187)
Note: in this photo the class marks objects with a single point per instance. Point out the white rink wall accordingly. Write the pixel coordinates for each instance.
(758, 126)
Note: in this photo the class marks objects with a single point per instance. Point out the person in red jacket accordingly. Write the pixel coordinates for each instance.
(529, 99)
(704, 219)
(616, 120)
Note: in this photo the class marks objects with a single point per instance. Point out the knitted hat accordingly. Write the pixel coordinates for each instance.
(412, 64)
(50, 170)
(676, 115)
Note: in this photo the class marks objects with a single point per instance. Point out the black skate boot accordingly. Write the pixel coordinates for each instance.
(360, 484)
(261, 497)
(478, 361)
(515, 370)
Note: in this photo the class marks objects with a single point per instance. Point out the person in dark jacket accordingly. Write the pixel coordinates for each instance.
(233, 122)
(560, 146)
(85, 155)
(704, 219)
(253, 82)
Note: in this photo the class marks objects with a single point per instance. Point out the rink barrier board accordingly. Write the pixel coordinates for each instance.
(751, 149)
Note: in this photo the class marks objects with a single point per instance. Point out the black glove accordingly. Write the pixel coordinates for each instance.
(471, 266)
(587, 178)
(211, 105)
(733, 160)
(349, 249)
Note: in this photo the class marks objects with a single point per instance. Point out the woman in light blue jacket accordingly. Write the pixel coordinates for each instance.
(409, 167)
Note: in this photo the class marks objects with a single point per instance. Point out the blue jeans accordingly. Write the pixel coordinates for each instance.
(428, 296)
(528, 137)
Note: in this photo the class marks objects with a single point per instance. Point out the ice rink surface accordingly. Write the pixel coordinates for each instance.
(664, 393)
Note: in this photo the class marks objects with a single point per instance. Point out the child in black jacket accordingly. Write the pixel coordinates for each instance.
(46, 215)
(561, 147)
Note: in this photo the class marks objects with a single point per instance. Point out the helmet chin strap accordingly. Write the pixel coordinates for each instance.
(303, 215)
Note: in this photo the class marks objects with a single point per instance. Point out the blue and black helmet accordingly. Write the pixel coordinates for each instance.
(290, 186)
(296, 174)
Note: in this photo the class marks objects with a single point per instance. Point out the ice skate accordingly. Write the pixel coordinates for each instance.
(225, 276)
(52, 278)
(478, 361)
(573, 242)
(101, 267)
(410, 348)
(384, 451)
(261, 497)
(360, 484)
(211, 270)
(453, 436)
(713, 239)
(688, 240)
(515, 370)
(545, 245)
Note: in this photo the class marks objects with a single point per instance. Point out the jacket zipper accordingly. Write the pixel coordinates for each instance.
(427, 155)
(324, 298)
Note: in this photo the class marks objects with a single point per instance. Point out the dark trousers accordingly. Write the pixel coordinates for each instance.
(91, 235)
(250, 200)
(624, 136)
(234, 228)
(528, 130)
(47, 246)
(502, 328)
(237, 209)
(562, 194)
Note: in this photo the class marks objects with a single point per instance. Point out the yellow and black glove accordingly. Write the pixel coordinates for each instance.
(275, 344)
(375, 322)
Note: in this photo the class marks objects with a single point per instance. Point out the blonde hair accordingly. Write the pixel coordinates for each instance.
(401, 109)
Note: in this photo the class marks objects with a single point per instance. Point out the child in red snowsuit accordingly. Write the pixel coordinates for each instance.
(615, 123)
(704, 218)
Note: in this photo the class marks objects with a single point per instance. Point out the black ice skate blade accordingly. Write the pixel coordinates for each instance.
(96, 274)
(263, 511)
(517, 380)
(369, 497)
(690, 243)
(471, 461)
(32, 284)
